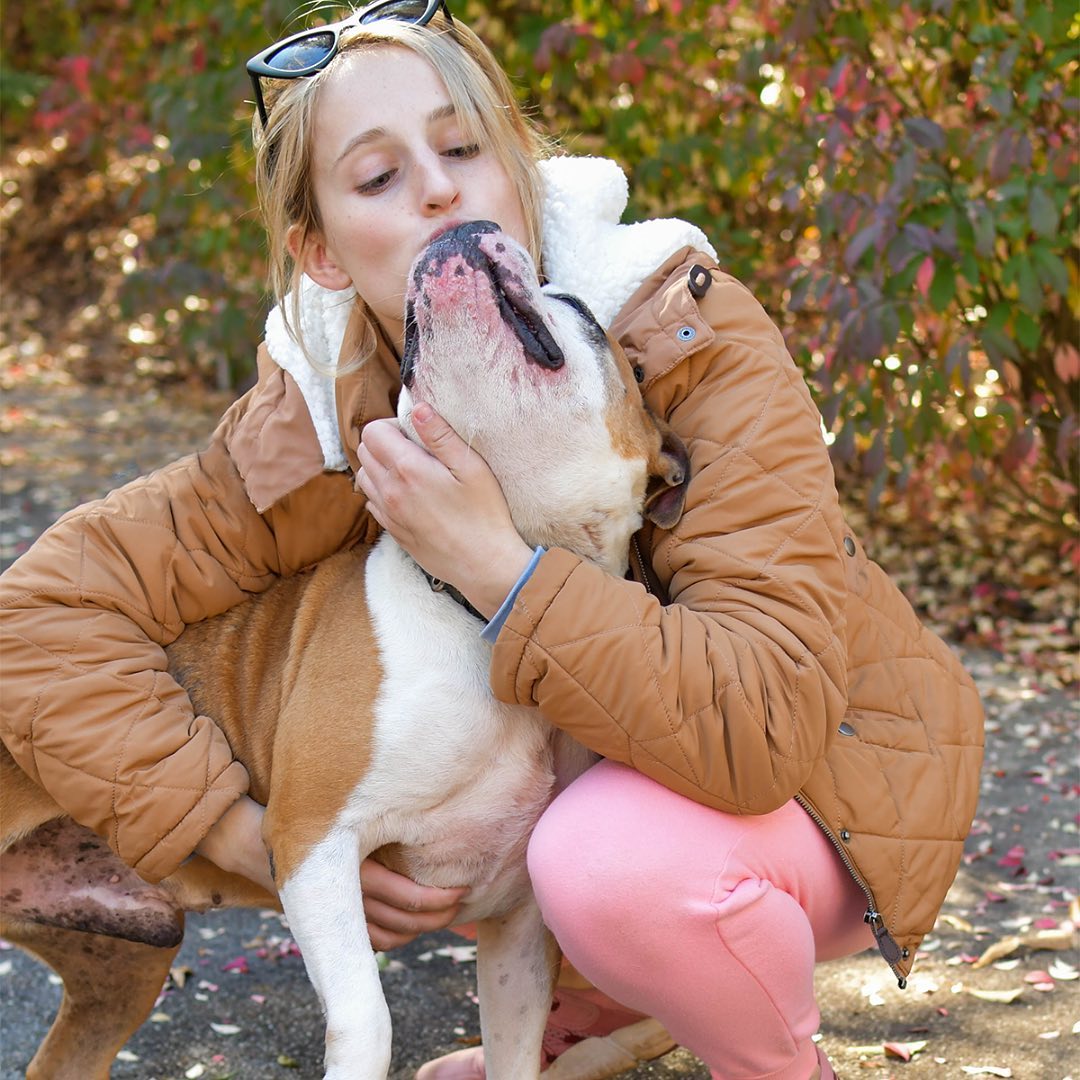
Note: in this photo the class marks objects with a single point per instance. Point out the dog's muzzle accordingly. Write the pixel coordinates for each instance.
(512, 295)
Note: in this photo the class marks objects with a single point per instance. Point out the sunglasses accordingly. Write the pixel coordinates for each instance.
(310, 51)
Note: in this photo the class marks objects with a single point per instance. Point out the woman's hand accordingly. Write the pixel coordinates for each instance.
(235, 843)
(395, 907)
(443, 505)
(398, 910)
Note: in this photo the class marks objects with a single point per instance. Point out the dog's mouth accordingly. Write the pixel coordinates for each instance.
(464, 245)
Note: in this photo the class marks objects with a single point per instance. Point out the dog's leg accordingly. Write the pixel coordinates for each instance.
(517, 961)
(198, 885)
(324, 906)
(110, 986)
(64, 875)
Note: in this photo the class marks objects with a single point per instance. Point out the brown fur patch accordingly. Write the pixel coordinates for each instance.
(271, 672)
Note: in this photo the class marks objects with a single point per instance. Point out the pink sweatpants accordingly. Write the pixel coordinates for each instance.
(709, 922)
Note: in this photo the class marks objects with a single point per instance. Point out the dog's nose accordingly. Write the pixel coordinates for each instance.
(461, 237)
(459, 242)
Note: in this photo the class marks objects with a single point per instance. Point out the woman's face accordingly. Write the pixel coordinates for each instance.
(391, 167)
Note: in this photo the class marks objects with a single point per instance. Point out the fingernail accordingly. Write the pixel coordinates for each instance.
(422, 413)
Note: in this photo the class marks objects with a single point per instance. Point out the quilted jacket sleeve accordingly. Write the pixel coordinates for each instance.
(87, 707)
(730, 692)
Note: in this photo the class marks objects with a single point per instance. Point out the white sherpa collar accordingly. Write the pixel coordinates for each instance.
(586, 252)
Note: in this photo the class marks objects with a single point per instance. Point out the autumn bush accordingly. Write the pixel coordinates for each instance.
(897, 181)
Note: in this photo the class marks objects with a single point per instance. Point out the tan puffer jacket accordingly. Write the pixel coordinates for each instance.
(782, 663)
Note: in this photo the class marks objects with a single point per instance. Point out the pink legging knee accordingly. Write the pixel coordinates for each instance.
(708, 921)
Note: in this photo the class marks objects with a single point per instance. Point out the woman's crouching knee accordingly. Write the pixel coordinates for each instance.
(585, 859)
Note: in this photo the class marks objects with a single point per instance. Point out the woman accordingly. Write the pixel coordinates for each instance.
(788, 752)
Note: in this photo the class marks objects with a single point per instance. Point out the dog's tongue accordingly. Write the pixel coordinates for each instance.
(475, 242)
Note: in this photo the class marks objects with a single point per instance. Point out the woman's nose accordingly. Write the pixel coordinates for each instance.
(440, 190)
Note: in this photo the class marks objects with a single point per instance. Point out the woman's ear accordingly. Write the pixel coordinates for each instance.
(313, 256)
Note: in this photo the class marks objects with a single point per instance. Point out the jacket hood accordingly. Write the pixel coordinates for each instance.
(586, 251)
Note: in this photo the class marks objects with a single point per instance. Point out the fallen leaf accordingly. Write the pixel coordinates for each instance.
(195, 1072)
(985, 1070)
(1062, 938)
(226, 1029)
(956, 923)
(903, 1051)
(1062, 971)
(287, 1062)
(179, 975)
(460, 954)
(1005, 997)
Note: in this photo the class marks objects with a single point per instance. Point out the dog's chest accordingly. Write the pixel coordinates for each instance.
(457, 778)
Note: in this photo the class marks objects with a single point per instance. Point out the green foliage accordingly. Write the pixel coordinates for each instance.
(899, 184)
(897, 181)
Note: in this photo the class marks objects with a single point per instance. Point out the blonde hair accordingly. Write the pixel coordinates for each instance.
(486, 107)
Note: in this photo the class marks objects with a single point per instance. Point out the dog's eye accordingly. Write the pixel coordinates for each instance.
(577, 305)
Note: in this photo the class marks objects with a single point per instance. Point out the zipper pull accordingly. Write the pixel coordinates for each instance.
(885, 943)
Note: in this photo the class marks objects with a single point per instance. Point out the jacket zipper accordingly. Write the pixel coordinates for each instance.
(886, 944)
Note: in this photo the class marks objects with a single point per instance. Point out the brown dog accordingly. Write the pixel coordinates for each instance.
(362, 658)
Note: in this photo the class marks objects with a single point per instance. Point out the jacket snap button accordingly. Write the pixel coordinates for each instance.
(849, 545)
(686, 333)
(639, 373)
(845, 835)
(846, 729)
(699, 279)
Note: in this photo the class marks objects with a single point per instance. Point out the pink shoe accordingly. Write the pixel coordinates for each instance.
(588, 1035)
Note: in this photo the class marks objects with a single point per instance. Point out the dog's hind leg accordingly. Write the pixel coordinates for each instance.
(64, 875)
(110, 986)
(516, 964)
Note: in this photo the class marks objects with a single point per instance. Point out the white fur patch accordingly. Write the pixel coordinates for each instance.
(326, 915)
(586, 252)
(463, 820)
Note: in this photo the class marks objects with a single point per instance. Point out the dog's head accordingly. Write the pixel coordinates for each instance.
(530, 380)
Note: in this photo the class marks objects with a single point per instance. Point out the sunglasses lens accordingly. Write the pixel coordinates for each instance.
(406, 10)
(302, 54)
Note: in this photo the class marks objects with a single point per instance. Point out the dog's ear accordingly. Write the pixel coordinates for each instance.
(669, 477)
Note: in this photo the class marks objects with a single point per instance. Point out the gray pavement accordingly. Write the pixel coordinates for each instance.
(246, 1011)
(243, 975)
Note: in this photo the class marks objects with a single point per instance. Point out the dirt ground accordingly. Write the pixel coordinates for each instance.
(240, 1005)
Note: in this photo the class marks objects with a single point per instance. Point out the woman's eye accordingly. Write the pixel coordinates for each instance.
(376, 183)
(463, 151)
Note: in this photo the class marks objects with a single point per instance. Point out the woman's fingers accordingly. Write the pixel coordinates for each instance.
(397, 909)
